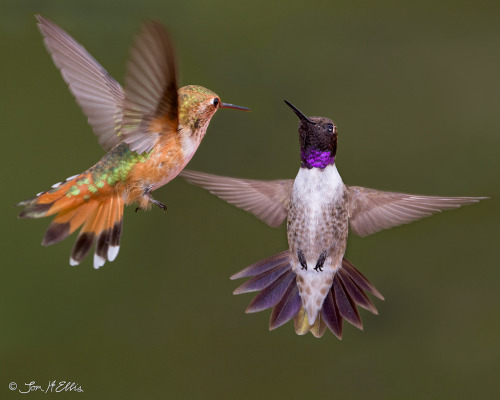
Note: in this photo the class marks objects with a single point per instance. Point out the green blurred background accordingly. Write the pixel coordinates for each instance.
(414, 89)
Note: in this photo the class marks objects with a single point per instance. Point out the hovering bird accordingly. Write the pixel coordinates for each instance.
(150, 131)
(312, 282)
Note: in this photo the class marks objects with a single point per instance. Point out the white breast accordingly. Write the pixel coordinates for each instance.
(313, 220)
(316, 187)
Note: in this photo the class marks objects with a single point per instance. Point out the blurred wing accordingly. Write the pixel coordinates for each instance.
(98, 94)
(151, 88)
(373, 210)
(267, 200)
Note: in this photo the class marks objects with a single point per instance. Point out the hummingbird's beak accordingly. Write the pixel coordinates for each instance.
(227, 105)
(299, 113)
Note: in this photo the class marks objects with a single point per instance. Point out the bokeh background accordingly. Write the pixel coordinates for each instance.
(414, 89)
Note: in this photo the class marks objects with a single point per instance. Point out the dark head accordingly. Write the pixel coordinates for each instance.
(318, 140)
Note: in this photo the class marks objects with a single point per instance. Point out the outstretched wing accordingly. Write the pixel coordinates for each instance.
(267, 200)
(98, 94)
(373, 210)
(151, 87)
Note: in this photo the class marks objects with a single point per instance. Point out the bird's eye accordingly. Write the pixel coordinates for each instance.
(330, 127)
(215, 102)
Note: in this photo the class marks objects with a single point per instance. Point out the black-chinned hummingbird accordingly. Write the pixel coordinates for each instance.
(312, 282)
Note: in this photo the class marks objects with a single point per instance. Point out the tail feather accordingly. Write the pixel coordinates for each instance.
(262, 280)
(62, 197)
(347, 306)
(360, 279)
(102, 228)
(287, 307)
(319, 327)
(272, 294)
(277, 284)
(116, 231)
(301, 322)
(87, 236)
(34, 210)
(76, 206)
(66, 222)
(302, 325)
(330, 313)
(356, 293)
(102, 241)
(263, 265)
(108, 241)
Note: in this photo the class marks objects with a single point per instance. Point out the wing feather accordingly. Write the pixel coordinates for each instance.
(267, 200)
(151, 88)
(98, 94)
(373, 210)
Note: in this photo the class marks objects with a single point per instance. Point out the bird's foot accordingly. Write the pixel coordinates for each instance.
(158, 203)
(147, 198)
(302, 259)
(321, 261)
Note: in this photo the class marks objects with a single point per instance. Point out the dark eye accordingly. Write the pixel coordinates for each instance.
(215, 102)
(330, 127)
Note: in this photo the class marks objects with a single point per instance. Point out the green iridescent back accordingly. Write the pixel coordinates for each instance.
(115, 166)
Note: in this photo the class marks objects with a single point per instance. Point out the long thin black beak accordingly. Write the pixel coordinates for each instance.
(227, 105)
(299, 113)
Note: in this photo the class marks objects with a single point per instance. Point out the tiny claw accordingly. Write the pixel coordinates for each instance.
(137, 209)
(159, 204)
(302, 259)
(321, 261)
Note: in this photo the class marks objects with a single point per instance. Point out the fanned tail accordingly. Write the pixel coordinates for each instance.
(276, 282)
(100, 217)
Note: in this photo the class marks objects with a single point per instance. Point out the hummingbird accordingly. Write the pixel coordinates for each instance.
(150, 130)
(312, 282)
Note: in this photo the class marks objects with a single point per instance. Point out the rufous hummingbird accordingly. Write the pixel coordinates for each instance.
(150, 130)
(312, 282)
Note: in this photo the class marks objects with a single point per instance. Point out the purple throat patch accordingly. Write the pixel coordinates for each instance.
(313, 158)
